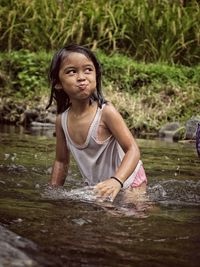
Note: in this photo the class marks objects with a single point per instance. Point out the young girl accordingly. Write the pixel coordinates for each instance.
(90, 128)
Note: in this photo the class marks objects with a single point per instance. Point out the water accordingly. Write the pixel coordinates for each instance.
(41, 226)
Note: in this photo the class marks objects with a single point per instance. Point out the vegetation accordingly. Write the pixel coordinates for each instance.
(148, 30)
(147, 95)
(149, 49)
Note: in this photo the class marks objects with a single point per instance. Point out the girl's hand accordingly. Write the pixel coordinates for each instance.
(108, 189)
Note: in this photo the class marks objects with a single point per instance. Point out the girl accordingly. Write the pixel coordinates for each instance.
(90, 128)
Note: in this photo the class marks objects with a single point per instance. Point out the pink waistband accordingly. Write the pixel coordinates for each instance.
(139, 178)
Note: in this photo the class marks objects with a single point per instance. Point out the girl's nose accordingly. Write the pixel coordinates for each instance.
(81, 76)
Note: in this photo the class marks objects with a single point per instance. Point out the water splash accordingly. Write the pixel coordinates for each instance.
(167, 192)
(83, 194)
(120, 206)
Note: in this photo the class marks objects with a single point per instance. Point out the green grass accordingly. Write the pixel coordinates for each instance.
(147, 95)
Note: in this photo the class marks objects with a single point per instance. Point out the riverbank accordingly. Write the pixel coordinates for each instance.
(148, 96)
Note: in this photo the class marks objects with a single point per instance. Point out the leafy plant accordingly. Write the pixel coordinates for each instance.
(27, 72)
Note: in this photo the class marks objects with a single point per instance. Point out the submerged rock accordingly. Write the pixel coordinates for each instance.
(12, 248)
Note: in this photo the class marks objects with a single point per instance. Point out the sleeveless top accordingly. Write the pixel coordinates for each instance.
(97, 160)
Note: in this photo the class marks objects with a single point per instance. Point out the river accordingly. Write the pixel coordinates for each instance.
(40, 226)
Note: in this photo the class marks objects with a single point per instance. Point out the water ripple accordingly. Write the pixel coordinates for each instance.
(175, 192)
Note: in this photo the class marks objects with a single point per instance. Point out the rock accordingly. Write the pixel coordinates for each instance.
(36, 124)
(28, 116)
(51, 118)
(179, 134)
(171, 126)
(191, 127)
(172, 130)
(12, 250)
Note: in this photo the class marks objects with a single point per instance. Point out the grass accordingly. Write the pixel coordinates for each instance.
(147, 95)
(151, 31)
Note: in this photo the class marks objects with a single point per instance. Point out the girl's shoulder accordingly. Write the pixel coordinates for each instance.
(59, 116)
(109, 108)
(109, 111)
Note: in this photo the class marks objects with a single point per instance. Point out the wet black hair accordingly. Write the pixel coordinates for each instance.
(62, 99)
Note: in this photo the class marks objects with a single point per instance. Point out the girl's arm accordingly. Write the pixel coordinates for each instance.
(116, 125)
(61, 163)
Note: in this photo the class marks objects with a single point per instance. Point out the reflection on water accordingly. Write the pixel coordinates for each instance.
(69, 226)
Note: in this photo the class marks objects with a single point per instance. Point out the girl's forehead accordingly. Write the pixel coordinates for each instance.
(75, 58)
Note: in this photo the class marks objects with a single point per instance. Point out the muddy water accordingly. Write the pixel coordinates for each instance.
(68, 227)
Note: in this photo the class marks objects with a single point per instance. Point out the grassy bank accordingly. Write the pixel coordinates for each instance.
(148, 30)
(147, 95)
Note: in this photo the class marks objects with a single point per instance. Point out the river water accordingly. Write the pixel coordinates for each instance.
(40, 226)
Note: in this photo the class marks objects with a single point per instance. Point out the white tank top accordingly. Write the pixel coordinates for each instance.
(97, 160)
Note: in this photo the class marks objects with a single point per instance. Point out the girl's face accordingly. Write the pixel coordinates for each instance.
(77, 76)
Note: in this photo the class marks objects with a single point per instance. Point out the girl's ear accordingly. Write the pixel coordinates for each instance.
(58, 86)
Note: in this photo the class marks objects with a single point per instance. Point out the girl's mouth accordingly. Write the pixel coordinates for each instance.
(82, 86)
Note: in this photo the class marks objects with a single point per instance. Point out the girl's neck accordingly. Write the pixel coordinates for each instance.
(79, 110)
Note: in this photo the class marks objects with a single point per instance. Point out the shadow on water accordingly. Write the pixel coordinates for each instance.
(69, 226)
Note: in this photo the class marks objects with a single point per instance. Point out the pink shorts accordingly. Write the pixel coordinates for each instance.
(139, 178)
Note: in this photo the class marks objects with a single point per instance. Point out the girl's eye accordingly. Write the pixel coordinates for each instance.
(88, 70)
(70, 72)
